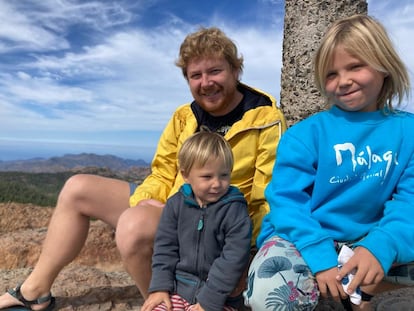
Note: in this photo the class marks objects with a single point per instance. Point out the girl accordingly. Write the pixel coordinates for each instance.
(344, 177)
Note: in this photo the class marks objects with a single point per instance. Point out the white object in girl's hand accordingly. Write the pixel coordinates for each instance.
(344, 255)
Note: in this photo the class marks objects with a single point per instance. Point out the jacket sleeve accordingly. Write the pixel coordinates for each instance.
(159, 183)
(227, 269)
(266, 155)
(166, 254)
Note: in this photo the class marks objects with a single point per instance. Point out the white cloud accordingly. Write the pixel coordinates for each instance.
(83, 68)
(398, 19)
(19, 32)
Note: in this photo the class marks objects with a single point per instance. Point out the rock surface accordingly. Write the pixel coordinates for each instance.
(95, 280)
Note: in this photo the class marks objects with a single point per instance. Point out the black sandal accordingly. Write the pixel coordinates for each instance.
(27, 304)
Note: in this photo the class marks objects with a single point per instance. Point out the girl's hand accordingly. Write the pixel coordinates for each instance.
(328, 284)
(368, 270)
(156, 298)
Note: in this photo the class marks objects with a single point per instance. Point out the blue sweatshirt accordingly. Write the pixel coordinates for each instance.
(345, 176)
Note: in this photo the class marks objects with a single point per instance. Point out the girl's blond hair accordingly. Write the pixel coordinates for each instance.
(366, 39)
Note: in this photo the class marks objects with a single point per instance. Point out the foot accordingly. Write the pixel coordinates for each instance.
(7, 300)
(15, 298)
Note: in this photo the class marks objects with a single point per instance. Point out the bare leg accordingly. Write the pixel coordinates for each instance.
(135, 239)
(82, 197)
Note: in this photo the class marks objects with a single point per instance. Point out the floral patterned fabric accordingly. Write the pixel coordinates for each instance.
(279, 279)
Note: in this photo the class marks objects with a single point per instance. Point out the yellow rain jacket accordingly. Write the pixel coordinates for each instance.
(253, 139)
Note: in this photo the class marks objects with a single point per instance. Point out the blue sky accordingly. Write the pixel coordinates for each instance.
(99, 76)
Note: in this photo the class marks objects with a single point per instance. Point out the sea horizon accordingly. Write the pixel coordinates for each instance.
(17, 151)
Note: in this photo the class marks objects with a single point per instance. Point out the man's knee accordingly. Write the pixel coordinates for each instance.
(74, 188)
(135, 230)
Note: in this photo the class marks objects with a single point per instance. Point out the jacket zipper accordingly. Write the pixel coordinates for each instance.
(200, 227)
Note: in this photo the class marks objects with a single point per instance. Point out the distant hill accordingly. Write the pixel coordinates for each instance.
(70, 162)
(38, 181)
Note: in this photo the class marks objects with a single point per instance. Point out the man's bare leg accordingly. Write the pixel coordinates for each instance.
(135, 240)
(82, 197)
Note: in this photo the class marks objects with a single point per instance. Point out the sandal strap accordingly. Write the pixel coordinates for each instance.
(16, 293)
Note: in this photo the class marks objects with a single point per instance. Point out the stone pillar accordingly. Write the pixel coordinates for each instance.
(304, 25)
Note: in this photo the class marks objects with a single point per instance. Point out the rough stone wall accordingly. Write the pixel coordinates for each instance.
(304, 25)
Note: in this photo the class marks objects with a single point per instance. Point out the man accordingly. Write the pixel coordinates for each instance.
(247, 118)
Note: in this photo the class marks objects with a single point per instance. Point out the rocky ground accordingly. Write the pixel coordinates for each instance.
(96, 279)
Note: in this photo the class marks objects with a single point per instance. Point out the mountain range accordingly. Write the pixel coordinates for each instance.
(70, 162)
